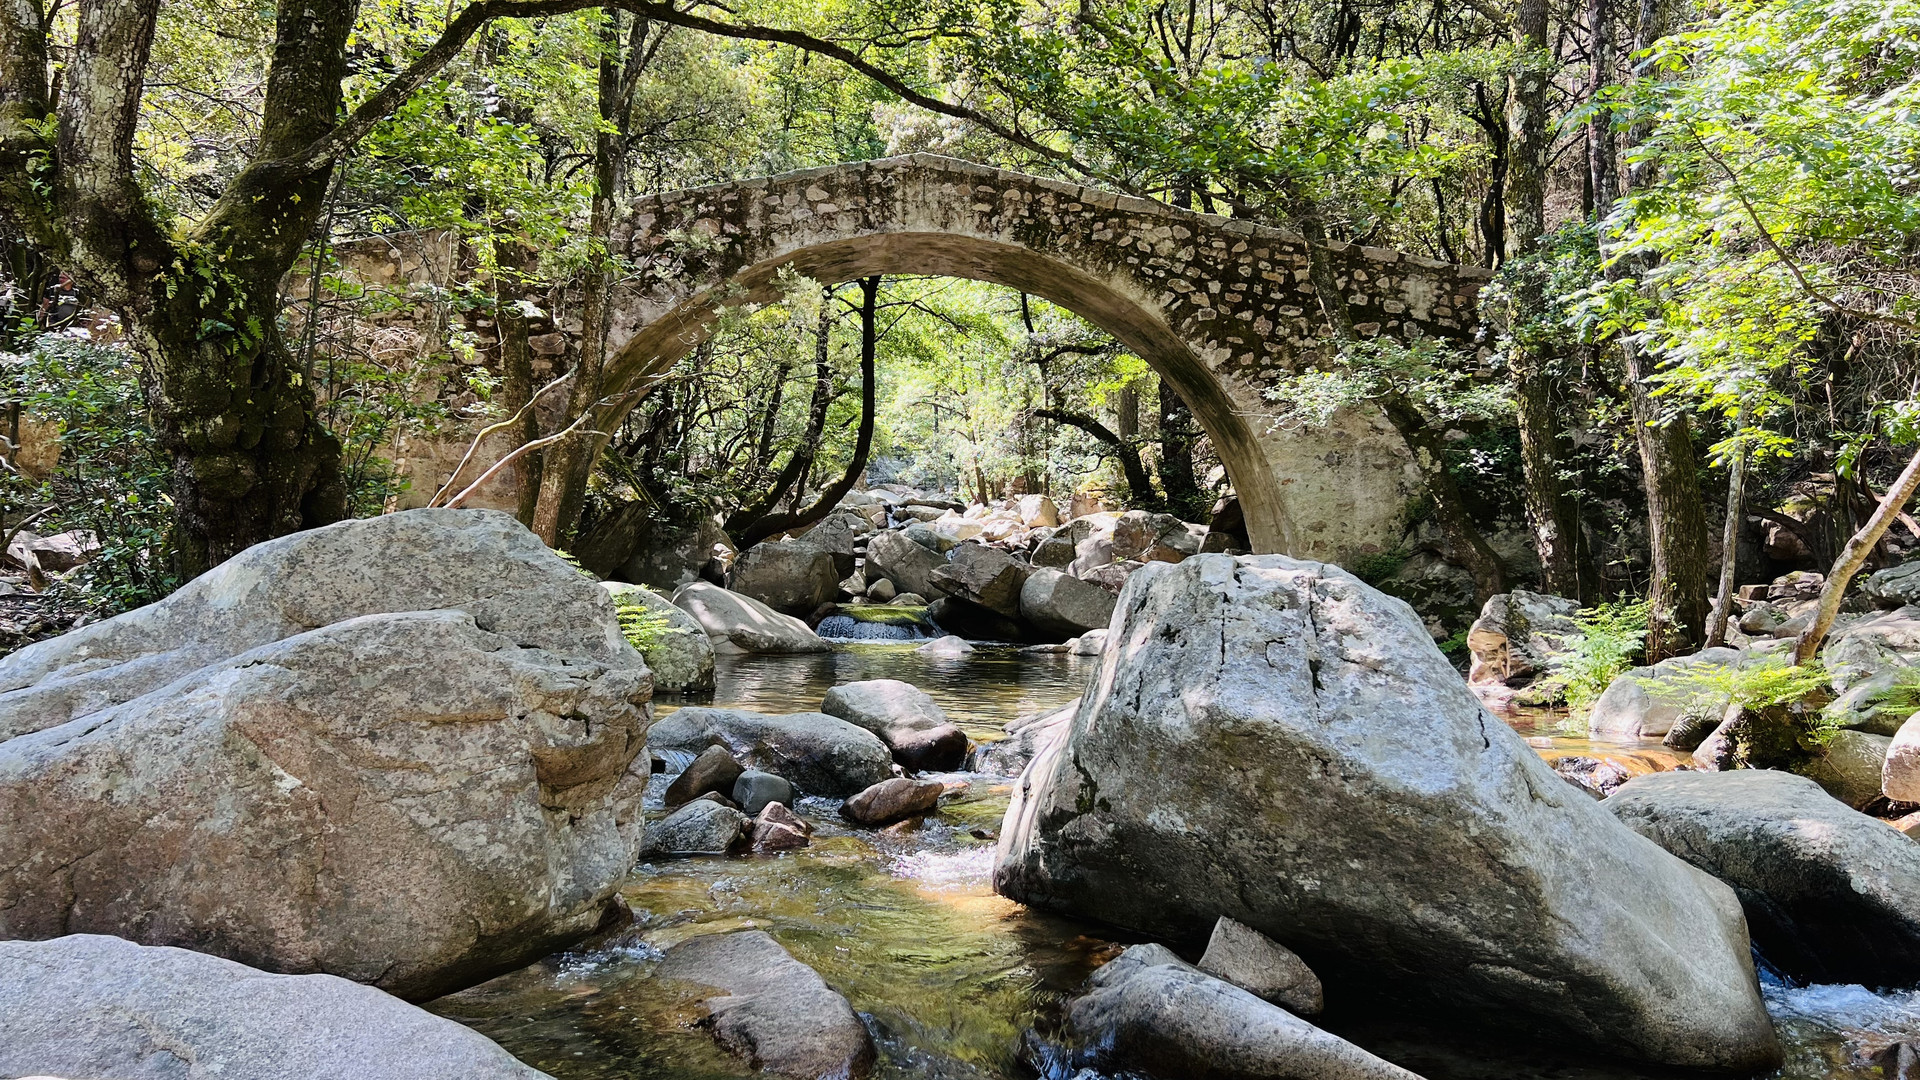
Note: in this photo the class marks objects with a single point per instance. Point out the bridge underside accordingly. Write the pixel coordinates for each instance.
(1217, 307)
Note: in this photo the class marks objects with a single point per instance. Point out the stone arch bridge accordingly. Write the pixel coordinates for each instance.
(1216, 306)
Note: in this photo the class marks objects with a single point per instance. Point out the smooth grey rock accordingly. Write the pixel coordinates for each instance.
(102, 1008)
(1038, 512)
(713, 769)
(892, 800)
(1272, 740)
(817, 753)
(1896, 586)
(789, 576)
(1900, 773)
(754, 789)
(736, 623)
(909, 566)
(479, 561)
(1647, 701)
(985, 576)
(403, 799)
(1262, 967)
(1148, 1011)
(912, 725)
(634, 543)
(1025, 737)
(777, 1013)
(948, 646)
(1091, 643)
(680, 654)
(1866, 707)
(1516, 635)
(1148, 537)
(1064, 605)
(880, 591)
(702, 827)
(907, 599)
(1832, 895)
(838, 534)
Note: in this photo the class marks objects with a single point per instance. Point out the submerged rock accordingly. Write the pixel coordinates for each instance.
(891, 800)
(912, 725)
(402, 798)
(948, 646)
(817, 753)
(777, 1013)
(780, 829)
(754, 790)
(713, 770)
(704, 826)
(1262, 967)
(1832, 895)
(1151, 1012)
(102, 1008)
(740, 624)
(1271, 740)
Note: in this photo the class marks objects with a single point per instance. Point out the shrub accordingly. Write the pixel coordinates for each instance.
(1607, 641)
(643, 626)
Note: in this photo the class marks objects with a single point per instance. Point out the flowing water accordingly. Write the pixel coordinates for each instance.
(954, 981)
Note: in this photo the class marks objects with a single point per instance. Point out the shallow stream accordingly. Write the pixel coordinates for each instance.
(954, 981)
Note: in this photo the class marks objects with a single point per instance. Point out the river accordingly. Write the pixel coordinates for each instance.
(954, 981)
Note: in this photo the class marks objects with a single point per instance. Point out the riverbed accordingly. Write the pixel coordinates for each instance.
(954, 981)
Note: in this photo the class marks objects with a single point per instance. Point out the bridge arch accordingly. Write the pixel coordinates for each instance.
(1217, 307)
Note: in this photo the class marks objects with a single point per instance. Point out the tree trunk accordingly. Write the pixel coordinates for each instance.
(1729, 548)
(1469, 548)
(831, 495)
(516, 390)
(1176, 457)
(1139, 486)
(1676, 520)
(566, 466)
(801, 460)
(1552, 517)
(1852, 558)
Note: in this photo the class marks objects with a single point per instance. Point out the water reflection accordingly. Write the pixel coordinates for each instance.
(953, 979)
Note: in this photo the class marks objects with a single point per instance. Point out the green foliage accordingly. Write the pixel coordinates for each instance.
(1376, 567)
(643, 626)
(1607, 641)
(1433, 374)
(568, 558)
(1757, 684)
(112, 480)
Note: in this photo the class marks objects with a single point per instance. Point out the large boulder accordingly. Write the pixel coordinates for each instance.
(777, 1013)
(479, 561)
(987, 577)
(1646, 702)
(1057, 550)
(1896, 586)
(634, 543)
(1516, 635)
(1064, 606)
(702, 827)
(104, 1008)
(790, 576)
(1148, 537)
(1900, 772)
(819, 754)
(1832, 895)
(909, 566)
(955, 615)
(911, 723)
(1150, 1012)
(403, 798)
(675, 645)
(1274, 741)
(1873, 644)
(737, 623)
(838, 534)
(1850, 767)
(1038, 512)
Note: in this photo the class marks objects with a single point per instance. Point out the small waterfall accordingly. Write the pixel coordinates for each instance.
(848, 628)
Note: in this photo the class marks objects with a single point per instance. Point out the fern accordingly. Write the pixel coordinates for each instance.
(1607, 641)
(642, 626)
